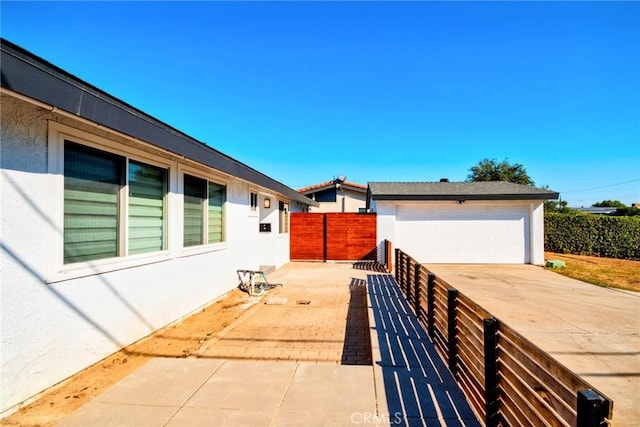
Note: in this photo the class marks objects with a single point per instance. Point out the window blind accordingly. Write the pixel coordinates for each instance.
(216, 217)
(147, 208)
(195, 192)
(92, 181)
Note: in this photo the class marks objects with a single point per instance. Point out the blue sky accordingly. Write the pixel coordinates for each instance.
(376, 91)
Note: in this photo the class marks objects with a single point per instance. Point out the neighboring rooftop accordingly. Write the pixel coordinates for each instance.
(444, 190)
(330, 184)
(603, 210)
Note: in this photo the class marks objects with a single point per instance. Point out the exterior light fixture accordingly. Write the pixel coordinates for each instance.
(267, 203)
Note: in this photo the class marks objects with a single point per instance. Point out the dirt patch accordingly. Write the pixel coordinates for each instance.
(179, 340)
(608, 272)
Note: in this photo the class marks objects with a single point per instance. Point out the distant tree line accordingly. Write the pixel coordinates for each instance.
(492, 170)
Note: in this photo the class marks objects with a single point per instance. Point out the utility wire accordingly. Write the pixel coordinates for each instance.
(604, 186)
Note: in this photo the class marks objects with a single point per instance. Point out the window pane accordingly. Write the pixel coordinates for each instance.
(92, 180)
(216, 213)
(147, 222)
(194, 196)
(328, 195)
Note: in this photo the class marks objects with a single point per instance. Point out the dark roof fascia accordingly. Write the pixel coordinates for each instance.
(458, 197)
(349, 187)
(330, 186)
(31, 76)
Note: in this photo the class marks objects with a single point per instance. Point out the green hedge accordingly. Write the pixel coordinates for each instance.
(587, 234)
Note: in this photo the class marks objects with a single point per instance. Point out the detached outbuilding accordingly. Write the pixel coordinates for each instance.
(462, 222)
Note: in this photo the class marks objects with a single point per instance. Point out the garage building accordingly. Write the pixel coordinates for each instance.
(492, 222)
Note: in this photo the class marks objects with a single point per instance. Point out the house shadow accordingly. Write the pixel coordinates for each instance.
(419, 388)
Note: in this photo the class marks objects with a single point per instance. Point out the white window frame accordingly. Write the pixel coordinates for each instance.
(56, 269)
(209, 177)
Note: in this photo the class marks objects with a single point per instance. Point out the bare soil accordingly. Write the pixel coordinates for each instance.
(179, 340)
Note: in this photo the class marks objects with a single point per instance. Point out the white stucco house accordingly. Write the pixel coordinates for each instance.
(112, 224)
(337, 195)
(462, 222)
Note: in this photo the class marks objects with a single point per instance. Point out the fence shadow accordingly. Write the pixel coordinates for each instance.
(369, 266)
(356, 349)
(419, 388)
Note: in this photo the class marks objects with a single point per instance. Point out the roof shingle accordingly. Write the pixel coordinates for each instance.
(486, 190)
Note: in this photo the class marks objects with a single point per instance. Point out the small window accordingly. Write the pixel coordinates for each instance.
(283, 209)
(195, 193)
(254, 202)
(216, 217)
(147, 208)
(326, 196)
(198, 194)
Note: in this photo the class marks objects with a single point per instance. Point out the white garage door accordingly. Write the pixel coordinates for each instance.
(464, 233)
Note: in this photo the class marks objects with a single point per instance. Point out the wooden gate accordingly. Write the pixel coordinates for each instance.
(332, 236)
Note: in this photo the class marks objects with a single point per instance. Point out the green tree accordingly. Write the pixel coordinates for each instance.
(491, 170)
(560, 206)
(610, 204)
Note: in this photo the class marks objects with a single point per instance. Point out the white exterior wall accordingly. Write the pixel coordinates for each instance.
(536, 221)
(528, 233)
(386, 226)
(56, 321)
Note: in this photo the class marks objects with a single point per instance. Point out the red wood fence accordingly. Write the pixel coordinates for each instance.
(332, 236)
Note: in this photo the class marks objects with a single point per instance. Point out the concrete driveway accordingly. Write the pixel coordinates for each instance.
(593, 331)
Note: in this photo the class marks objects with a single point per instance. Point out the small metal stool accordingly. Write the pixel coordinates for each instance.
(248, 282)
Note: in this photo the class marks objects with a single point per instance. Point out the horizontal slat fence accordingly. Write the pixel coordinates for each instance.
(332, 236)
(507, 379)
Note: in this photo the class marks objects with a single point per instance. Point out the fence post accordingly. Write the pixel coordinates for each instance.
(416, 276)
(431, 283)
(452, 296)
(403, 261)
(398, 263)
(388, 257)
(407, 279)
(592, 410)
(491, 372)
(324, 237)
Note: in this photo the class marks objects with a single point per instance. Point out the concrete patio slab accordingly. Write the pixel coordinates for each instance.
(161, 382)
(245, 385)
(321, 390)
(100, 414)
(207, 417)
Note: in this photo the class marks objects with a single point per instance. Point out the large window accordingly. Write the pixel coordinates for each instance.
(96, 189)
(203, 211)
